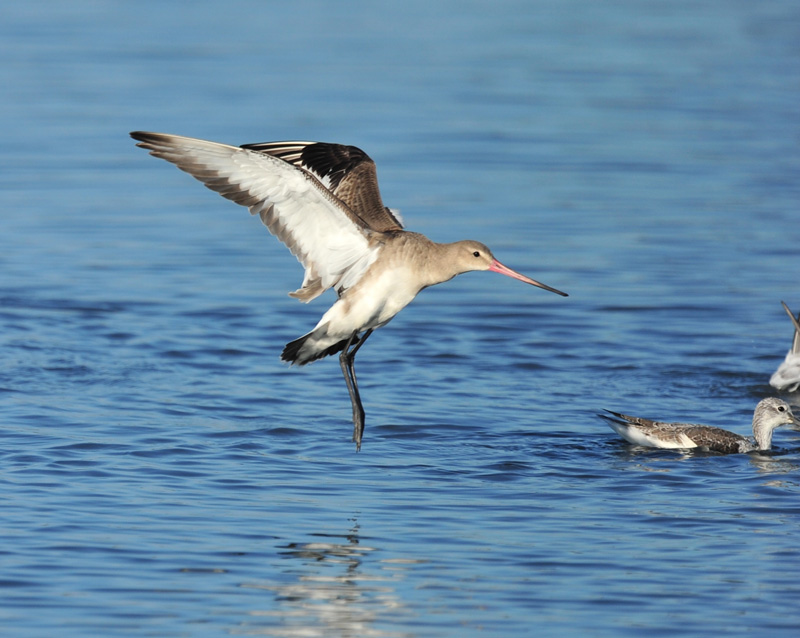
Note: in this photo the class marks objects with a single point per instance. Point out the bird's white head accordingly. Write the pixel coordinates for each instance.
(473, 255)
(771, 413)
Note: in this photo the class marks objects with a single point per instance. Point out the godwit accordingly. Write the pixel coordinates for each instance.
(322, 201)
(770, 413)
(787, 376)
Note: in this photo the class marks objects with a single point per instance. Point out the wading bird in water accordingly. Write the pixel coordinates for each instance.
(787, 376)
(769, 414)
(322, 201)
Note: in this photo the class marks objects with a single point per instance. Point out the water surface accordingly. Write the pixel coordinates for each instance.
(164, 474)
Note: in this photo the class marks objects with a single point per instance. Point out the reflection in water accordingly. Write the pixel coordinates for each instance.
(650, 459)
(330, 592)
(771, 463)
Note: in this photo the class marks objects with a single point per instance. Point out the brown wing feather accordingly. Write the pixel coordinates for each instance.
(715, 439)
(626, 419)
(347, 171)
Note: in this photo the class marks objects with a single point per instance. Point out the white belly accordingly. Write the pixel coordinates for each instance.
(368, 305)
(638, 437)
(372, 304)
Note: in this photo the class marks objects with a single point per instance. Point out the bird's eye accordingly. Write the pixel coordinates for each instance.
(476, 254)
(781, 408)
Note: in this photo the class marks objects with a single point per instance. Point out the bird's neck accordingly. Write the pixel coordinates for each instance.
(763, 434)
(435, 262)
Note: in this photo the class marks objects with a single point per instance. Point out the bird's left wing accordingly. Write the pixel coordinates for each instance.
(323, 233)
(347, 171)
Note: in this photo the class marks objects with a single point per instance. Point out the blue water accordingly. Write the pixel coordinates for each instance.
(162, 473)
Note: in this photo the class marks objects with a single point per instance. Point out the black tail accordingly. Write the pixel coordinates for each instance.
(292, 349)
(614, 418)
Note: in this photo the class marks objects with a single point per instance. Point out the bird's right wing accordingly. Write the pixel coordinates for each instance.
(321, 231)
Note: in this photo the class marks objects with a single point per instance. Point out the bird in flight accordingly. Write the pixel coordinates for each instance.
(323, 202)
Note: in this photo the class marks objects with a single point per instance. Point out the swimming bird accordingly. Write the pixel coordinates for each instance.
(323, 202)
(787, 376)
(769, 414)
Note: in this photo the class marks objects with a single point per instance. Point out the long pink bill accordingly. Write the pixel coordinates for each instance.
(496, 266)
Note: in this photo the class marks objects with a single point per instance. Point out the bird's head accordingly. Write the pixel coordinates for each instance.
(471, 255)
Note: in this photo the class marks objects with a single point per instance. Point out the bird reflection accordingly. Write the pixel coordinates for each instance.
(774, 462)
(331, 592)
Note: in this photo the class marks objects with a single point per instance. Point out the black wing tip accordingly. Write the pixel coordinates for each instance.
(147, 139)
(144, 136)
(614, 417)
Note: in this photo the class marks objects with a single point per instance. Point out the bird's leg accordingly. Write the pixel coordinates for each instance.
(346, 363)
(346, 360)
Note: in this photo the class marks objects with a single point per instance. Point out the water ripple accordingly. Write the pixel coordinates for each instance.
(165, 474)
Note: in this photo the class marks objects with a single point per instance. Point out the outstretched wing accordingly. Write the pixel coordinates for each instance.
(347, 171)
(329, 240)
